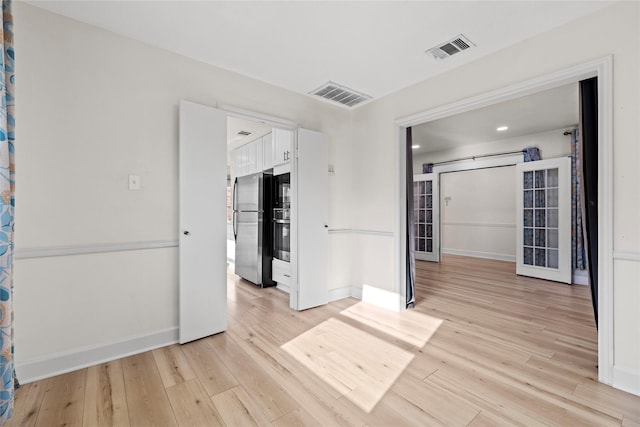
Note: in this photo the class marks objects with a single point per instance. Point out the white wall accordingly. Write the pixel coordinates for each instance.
(375, 140)
(551, 143)
(479, 217)
(92, 108)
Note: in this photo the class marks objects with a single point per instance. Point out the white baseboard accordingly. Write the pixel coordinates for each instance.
(339, 293)
(477, 254)
(283, 288)
(356, 292)
(626, 380)
(71, 361)
(383, 298)
(580, 277)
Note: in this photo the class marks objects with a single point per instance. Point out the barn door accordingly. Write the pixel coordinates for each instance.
(543, 219)
(426, 214)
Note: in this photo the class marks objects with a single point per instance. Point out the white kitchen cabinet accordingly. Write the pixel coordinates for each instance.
(248, 159)
(281, 272)
(282, 146)
(267, 151)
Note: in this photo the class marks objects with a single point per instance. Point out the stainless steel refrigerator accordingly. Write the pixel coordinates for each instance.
(250, 229)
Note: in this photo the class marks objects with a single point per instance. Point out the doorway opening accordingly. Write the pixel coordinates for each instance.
(602, 69)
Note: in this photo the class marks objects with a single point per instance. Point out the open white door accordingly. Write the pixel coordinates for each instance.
(203, 192)
(426, 217)
(310, 223)
(543, 219)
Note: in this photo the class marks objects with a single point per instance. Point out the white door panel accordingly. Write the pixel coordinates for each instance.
(311, 233)
(543, 219)
(426, 217)
(202, 175)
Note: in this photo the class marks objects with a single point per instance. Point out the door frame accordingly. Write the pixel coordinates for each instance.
(285, 124)
(602, 68)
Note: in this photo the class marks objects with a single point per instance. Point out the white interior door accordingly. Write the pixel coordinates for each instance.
(203, 191)
(426, 217)
(310, 224)
(543, 219)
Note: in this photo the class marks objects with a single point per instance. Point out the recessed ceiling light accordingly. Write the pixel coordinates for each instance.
(415, 146)
(502, 128)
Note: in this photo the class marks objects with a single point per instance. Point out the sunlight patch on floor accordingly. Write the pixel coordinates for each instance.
(409, 326)
(357, 364)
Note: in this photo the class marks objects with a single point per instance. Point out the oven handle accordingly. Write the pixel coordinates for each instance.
(282, 221)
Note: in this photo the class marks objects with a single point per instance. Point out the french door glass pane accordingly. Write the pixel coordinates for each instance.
(423, 199)
(540, 218)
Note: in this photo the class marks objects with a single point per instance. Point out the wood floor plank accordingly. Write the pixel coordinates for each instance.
(146, 397)
(482, 347)
(105, 401)
(297, 418)
(28, 400)
(63, 401)
(265, 391)
(173, 365)
(208, 368)
(192, 406)
(237, 408)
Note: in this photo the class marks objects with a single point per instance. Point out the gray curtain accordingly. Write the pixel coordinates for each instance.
(531, 154)
(578, 256)
(411, 257)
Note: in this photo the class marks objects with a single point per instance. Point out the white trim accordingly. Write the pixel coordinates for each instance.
(479, 224)
(356, 292)
(626, 380)
(258, 117)
(580, 277)
(360, 231)
(604, 72)
(570, 75)
(28, 253)
(601, 68)
(478, 254)
(339, 293)
(62, 363)
(382, 298)
(493, 162)
(283, 287)
(626, 256)
(400, 238)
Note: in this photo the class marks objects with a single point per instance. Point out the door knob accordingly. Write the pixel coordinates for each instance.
(186, 233)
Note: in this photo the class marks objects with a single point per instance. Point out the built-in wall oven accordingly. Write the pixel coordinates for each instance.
(282, 217)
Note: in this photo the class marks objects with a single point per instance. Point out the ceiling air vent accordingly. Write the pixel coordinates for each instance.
(342, 95)
(451, 47)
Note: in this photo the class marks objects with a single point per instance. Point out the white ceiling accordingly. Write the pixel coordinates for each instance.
(372, 47)
(543, 111)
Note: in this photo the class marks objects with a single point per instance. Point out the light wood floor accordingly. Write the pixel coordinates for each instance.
(482, 347)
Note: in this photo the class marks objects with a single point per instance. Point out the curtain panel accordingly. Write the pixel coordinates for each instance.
(7, 203)
(578, 258)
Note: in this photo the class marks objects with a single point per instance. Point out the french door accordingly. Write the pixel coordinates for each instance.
(426, 217)
(543, 219)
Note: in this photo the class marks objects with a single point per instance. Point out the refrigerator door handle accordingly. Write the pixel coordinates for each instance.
(233, 208)
(235, 228)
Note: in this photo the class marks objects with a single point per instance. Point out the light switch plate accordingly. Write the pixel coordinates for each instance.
(134, 182)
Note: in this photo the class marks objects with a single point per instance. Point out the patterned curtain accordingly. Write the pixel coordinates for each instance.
(578, 259)
(531, 154)
(7, 203)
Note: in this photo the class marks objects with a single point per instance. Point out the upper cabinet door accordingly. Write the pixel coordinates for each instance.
(282, 146)
(267, 151)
